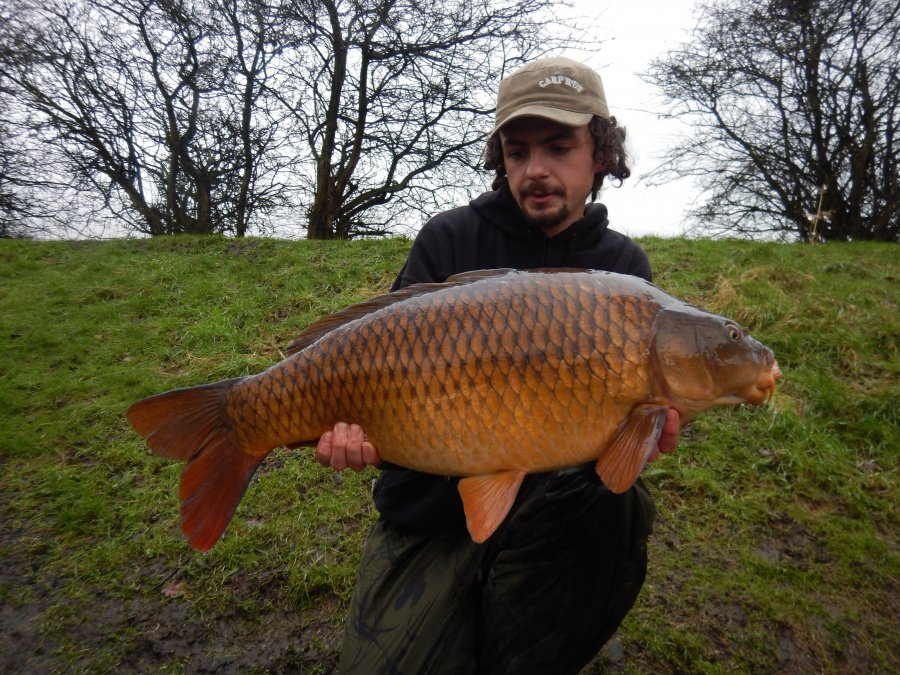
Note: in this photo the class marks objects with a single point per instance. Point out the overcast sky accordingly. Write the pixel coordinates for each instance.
(632, 34)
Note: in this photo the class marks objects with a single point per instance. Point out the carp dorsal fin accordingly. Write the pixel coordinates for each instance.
(328, 323)
(487, 500)
(478, 275)
(625, 457)
(563, 270)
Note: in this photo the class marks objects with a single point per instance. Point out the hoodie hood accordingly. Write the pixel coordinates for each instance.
(499, 208)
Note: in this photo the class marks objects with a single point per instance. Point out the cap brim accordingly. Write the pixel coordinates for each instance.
(564, 117)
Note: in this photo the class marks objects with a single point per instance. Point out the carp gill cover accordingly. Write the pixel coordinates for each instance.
(489, 376)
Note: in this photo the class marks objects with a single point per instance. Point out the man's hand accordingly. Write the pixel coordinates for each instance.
(346, 446)
(668, 439)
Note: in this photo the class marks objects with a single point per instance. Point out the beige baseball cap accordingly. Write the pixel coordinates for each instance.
(557, 89)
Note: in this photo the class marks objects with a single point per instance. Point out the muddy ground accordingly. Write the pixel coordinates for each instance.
(161, 630)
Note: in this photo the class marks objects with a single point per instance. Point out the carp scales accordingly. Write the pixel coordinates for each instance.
(488, 376)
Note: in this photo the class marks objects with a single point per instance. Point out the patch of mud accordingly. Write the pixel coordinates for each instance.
(792, 655)
(25, 594)
(160, 628)
(145, 635)
(149, 633)
(790, 543)
(169, 632)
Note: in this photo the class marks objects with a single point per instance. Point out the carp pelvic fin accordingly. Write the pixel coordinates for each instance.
(487, 501)
(191, 425)
(625, 457)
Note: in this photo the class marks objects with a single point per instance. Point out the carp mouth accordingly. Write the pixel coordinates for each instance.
(760, 390)
(763, 389)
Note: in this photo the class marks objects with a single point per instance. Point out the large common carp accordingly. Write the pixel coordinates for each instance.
(488, 376)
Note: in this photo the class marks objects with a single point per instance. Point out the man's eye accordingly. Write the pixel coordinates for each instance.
(559, 149)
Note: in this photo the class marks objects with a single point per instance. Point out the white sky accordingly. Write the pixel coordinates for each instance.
(633, 32)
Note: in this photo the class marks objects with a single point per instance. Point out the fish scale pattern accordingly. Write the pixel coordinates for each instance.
(478, 375)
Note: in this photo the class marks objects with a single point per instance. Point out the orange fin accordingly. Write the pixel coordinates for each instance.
(625, 457)
(328, 323)
(487, 500)
(191, 425)
(212, 485)
(177, 422)
(477, 275)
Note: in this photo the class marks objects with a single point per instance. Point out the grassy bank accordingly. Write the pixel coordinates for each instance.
(776, 547)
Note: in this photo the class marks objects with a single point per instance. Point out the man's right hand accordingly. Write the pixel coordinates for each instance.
(346, 446)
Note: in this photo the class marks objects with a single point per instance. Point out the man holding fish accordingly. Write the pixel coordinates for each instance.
(495, 398)
(556, 578)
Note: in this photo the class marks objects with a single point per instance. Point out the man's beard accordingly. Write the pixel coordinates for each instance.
(546, 220)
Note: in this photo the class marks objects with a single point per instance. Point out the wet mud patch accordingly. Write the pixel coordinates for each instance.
(170, 633)
(159, 620)
(146, 635)
(49, 625)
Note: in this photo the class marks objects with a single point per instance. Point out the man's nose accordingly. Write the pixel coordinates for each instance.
(537, 165)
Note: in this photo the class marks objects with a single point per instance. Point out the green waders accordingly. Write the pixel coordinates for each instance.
(542, 595)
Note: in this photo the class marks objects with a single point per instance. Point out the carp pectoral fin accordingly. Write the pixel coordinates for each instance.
(487, 500)
(627, 454)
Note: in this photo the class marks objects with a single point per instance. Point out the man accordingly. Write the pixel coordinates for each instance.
(547, 590)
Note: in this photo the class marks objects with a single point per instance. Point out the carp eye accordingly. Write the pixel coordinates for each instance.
(734, 332)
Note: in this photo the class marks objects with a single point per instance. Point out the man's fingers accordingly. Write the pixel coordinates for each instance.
(354, 447)
(346, 446)
(339, 447)
(323, 449)
(370, 454)
(668, 440)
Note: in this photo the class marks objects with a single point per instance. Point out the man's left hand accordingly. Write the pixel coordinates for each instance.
(668, 439)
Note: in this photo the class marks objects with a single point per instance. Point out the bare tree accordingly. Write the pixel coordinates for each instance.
(11, 205)
(794, 108)
(24, 209)
(392, 98)
(252, 39)
(150, 103)
(209, 115)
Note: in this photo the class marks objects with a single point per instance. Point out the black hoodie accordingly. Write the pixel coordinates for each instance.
(490, 232)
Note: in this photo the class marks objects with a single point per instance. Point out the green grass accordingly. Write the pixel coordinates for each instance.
(776, 546)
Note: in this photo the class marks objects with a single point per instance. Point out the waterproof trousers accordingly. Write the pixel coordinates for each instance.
(542, 595)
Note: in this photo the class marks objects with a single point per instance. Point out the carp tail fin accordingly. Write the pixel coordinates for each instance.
(212, 485)
(192, 425)
(625, 457)
(487, 500)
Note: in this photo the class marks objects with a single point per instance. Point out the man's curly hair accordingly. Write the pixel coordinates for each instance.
(609, 148)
